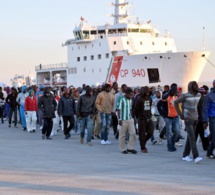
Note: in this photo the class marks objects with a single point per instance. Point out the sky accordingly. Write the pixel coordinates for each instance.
(32, 31)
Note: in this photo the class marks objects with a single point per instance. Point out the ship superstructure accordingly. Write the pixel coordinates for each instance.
(127, 51)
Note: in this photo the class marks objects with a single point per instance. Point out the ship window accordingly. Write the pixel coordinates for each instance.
(122, 30)
(141, 43)
(85, 47)
(86, 34)
(112, 31)
(75, 72)
(92, 57)
(114, 42)
(133, 30)
(101, 32)
(93, 32)
(85, 58)
(154, 76)
(166, 43)
(77, 35)
(145, 30)
(107, 55)
(78, 47)
(127, 42)
(100, 44)
(84, 69)
(92, 45)
(92, 70)
(72, 48)
(99, 56)
(153, 43)
(100, 70)
(78, 59)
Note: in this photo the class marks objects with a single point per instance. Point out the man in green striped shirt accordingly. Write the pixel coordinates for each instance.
(126, 122)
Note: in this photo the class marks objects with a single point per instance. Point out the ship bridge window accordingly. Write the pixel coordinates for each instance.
(141, 43)
(101, 32)
(133, 30)
(107, 55)
(93, 32)
(145, 31)
(78, 35)
(78, 59)
(122, 30)
(99, 56)
(166, 43)
(92, 57)
(86, 34)
(112, 31)
(153, 74)
(85, 58)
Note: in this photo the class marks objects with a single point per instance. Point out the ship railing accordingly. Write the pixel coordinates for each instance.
(51, 66)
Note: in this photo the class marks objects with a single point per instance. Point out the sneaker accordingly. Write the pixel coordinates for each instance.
(49, 138)
(198, 159)
(154, 142)
(81, 140)
(132, 151)
(89, 144)
(108, 142)
(92, 137)
(41, 127)
(178, 144)
(24, 129)
(172, 149)
(33, 130)
(124, 152)
(210, 156)
(98, 136)
(145, 150)
(187, 158)
(103, 142)
(160, 141)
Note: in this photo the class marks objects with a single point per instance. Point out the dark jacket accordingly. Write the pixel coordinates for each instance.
(67, 106)
(86, 105)
(47, 105)
(208, 106)
(11, 100)
(199, 108)
(143, 106)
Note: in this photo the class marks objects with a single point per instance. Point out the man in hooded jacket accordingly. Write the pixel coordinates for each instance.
(21, 101)
(47, 105)
(143, 114)
(189, 114)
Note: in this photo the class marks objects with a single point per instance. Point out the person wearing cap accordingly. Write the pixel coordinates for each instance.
(31, 111)
(189, 114)
(199, 127)
(104, 104)
(208, 116)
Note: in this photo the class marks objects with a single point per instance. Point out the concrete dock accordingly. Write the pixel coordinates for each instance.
(30, 165)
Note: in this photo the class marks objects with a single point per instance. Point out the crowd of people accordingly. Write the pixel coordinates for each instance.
(131, 113)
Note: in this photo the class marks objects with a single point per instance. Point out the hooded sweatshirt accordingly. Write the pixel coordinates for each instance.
(189, 102)
(208, 106)
(22, 96)
(143, 106)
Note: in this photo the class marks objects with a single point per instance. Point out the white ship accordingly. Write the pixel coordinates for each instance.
(126, 51)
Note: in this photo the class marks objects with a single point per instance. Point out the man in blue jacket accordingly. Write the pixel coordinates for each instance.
(208, 115)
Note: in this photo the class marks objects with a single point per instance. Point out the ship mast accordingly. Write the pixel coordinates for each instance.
(120, 11)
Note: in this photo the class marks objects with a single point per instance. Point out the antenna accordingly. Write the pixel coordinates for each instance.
(203, 40)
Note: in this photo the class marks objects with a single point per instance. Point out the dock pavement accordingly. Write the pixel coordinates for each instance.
(30, 165)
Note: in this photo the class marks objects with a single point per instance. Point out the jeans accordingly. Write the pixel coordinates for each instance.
(105, 125)
(191, 139)
(86, 122)
(172, 130)
(76, 124)
(212, 135)
(22, 114)
(13, 110)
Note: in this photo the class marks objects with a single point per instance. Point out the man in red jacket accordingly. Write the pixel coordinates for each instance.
(30, 111)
